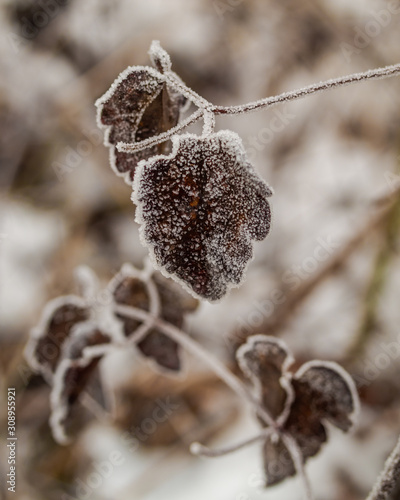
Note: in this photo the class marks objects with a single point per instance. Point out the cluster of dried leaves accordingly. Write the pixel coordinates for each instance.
(75, 333)
(301, 403)
(201, 205)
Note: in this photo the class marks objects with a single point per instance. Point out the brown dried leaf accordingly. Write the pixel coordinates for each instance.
(59, 318)
(278, 464)
(175, 304)
(264, 360)
(329, 392)
(138, 105)
(200, 208)
(76, 373)
(317, 393)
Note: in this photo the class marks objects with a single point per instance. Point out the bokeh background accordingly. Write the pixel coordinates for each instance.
(333, 251)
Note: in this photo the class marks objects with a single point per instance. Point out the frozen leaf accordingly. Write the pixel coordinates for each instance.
(77, 373)
(278, 464)
(139, 105)
(200, 208)
(302, 403)
(59, 318)
(328, 391)
(263, 360)
(174, 304)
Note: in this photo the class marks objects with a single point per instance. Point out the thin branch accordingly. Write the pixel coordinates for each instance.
(373, 74)
(197, 350)
(193, 96)
(204, 105)
(158, 139)
(204, 451)
(297, 458)
(388, 478)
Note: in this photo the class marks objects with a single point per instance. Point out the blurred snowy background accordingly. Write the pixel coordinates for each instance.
(326, 279)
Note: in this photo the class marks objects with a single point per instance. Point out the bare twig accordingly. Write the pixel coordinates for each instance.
(198, 449)
(297, 458)
(197, 350)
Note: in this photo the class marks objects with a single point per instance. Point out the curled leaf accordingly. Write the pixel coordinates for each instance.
(263, 360)
(77, 373)
(200, 208)
(139, 105)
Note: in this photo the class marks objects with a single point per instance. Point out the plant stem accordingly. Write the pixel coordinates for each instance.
(203, 104)
(197, 350)
(297, 458)
(157, 139)
(389, 477)
(374, 74)
(204, 451)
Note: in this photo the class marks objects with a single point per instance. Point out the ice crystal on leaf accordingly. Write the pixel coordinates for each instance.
(140, 104)
(200, 208)
(301, 403)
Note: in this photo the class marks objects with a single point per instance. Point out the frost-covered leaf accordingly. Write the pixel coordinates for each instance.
(174, 304)
(319, 392)
(59, 318)
(264, 360)
(200, 208)
(77, 373)
(328, 390)
(139, 105)
(278, 464)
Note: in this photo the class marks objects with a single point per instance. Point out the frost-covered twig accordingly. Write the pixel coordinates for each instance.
(197, 350)
(152, 141)
(373, 74)
(296, 456)
(204, 451)
(206, 107)
(389, 477)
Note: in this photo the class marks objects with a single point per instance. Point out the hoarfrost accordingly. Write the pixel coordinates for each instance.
(200, 208)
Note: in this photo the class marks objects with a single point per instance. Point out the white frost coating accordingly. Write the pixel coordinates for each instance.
(159, 56)
(177, 84)
(209, 123)
(268, 340)
(331, 365)
(59, 411)
(40, 331)
(108, 95)
(162, 61)
(234, 145)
